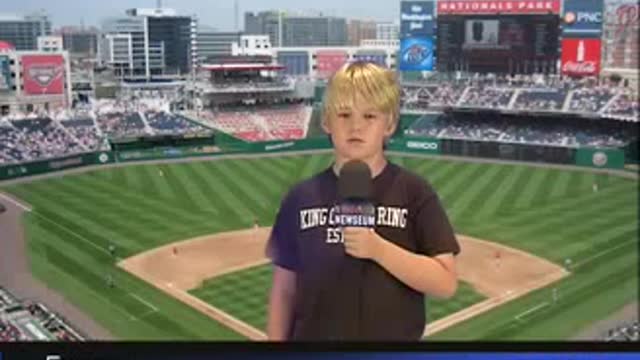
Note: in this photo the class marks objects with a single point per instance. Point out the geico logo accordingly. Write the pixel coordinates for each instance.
(589, 17)
(422, 145)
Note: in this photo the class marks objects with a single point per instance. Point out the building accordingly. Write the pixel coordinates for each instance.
(288, 29)
(387, 31)
(359, 30)
(212, 43)
(381, 43)
(23, 32)
(322, 62)
(79, 42)
(34, 81)
(50, 43)
(620, 40)
(150, 44)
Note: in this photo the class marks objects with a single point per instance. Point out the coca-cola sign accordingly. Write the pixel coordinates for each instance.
(581, 57)
(580, 68)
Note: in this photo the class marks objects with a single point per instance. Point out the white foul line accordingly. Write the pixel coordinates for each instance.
(143, 301)
(75, 234)
(537, 307)
(597, 255)
(16, 203)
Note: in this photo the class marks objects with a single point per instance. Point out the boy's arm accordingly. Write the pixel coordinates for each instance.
(433, 276)
(281, 304)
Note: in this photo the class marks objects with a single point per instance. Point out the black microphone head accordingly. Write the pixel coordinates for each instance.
(354, 182)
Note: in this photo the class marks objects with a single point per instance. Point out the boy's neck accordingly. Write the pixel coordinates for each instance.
(376, 165)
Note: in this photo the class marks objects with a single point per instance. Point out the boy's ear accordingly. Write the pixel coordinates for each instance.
(391, 128)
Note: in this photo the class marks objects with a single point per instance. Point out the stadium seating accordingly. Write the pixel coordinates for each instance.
(36, 138)
(85, 130)
(167, 123)
(500, 129)
(261, 124)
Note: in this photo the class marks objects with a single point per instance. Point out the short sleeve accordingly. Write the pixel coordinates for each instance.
(435, 235)
(282, 246)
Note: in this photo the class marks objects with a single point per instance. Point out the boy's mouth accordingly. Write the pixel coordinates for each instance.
(355, 140)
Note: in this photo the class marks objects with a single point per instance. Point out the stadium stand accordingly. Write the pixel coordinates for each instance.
(26, 321)
(163, 122)
(629, 331)
(35, 138)
(261, 124)
(511, 130)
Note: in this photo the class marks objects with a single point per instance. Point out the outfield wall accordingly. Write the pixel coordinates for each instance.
(586, 157)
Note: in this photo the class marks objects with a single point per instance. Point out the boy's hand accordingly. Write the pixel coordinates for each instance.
(362, 243)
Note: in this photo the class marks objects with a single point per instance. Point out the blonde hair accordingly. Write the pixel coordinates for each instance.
(371, 82)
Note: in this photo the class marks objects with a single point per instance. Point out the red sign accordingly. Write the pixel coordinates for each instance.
(581, 57)
(470, 7)
(43, 74)
(329, 61)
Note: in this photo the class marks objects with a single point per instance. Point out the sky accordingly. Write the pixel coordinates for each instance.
(215, 13)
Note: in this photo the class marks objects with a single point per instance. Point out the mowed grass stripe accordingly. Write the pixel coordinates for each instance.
(573, 188)
(120, 223)
(216, 191)
(561, 186)
(479, 192)
(116, 294)
(278, 175)
(151, 176)
(244, 191)
(179, 188)
(145, 203)
(252, 186)
(610, 232)
(311, 166)
(491, 205)
(440, 174)
(506, 205)
(96, 229)
(185, 176)
(542, 194)
(528, 194)
(575, 204)
(223, 183)
(461, 181)
(254, 172)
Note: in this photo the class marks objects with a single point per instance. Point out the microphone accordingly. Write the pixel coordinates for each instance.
(355, 209)
(354, 193)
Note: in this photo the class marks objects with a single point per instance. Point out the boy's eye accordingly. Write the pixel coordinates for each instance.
(370, 116)
(344, 115)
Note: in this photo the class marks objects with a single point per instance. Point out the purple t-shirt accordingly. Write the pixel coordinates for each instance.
(339, 297)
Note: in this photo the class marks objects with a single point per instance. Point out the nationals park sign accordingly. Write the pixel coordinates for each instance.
(471, 7)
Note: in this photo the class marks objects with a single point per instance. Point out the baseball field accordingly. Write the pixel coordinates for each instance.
(552, 214)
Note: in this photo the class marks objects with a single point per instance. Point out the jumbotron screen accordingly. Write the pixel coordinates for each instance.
(498, 43)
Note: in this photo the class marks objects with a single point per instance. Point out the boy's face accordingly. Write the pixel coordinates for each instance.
(358, 132)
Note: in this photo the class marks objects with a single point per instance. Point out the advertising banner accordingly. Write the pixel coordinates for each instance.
(5, 73)
(600, 158)
(416, 145)
(329, 61)
(416, 54)
(582, 18)
(379, 59)
(43, 74)
(416, 18)
(581, 57)
(503, 7)
(68, 162)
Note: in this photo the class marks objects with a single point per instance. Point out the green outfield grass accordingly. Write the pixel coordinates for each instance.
(551, 213)
(245, 293)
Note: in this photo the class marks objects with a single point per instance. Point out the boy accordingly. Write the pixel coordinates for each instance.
(357, 283)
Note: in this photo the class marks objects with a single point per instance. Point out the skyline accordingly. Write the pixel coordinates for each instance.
(219, 15)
